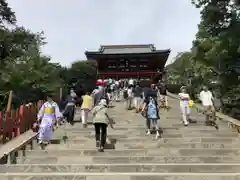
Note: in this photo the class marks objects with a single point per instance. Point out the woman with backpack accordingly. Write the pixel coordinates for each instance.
(151, 113)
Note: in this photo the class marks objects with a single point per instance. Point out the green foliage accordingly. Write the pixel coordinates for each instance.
(214, 59)
(25, 70)
(81, 71)
(6, 13)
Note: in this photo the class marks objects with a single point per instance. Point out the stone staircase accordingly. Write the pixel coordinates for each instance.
(183, 153)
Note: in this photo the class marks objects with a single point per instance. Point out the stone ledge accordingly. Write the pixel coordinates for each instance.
(121, 176)
(124, 168)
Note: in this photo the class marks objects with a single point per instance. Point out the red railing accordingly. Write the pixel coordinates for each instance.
(16, 122)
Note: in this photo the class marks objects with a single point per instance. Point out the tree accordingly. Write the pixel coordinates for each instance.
(218, 42)
(6, 13)
(29, 73)
(216, 49)
(83, 73)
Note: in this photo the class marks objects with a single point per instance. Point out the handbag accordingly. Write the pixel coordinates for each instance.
(190, 103)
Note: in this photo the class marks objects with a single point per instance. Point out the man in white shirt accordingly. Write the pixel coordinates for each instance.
(129, 98)
(117, 91)
(206, 98)
(131, 82)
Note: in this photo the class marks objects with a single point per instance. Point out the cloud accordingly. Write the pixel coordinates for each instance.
(71, 27)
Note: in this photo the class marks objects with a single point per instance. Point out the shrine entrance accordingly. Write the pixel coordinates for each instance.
(129, 61)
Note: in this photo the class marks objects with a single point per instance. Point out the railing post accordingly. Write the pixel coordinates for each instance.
(20, 118)
(9, 104)
(61, 93)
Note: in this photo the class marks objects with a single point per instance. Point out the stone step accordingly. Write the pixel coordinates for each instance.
(120, 176)
(164, 134)
(127, 159)
(143, 127)
(148, 145)
(144, 139)
(124, 138)
(139, 152)
(123, 168)
(140, 121)
(166, 159)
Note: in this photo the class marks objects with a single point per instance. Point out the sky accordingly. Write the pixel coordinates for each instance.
(74, 26)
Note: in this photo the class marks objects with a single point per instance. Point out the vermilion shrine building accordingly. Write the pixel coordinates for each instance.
(125, 61)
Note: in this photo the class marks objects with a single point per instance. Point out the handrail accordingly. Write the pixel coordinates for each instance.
(18, 144)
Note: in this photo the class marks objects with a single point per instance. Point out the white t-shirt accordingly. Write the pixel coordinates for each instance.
(110, 81)
(206, 98)
(184, 96)
(73, 94)
(112, 86)
(116, 83)
(130, 82)
(129, 91)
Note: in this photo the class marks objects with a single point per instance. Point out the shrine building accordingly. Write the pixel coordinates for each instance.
(129, 61)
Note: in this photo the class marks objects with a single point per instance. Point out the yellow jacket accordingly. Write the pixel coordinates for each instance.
(87, 102)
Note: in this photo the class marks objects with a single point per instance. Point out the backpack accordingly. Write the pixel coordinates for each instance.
(152, 111)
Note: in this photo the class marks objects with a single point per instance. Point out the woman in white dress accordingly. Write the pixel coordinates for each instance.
(48, 114)
(184, 106)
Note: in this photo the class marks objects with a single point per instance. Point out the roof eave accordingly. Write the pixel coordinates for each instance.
(94, 53)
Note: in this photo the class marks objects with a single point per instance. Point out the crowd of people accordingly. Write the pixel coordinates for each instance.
(147, 100)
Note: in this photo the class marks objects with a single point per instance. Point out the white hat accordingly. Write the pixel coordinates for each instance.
(183, 88)
(103, 102)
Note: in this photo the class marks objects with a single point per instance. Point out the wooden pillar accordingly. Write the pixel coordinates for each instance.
(61, 93)
(9, 104)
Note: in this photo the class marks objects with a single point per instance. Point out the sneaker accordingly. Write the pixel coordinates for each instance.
(157, 135)
(42, 145)
(98, 144)
(185, 123)
(46, 142)
(213, 123)
(148, 132)
(101, 149)
(216, 126)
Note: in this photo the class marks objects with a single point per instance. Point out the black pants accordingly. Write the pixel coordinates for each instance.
(69, 113)
(101, 133)
(154, 123)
